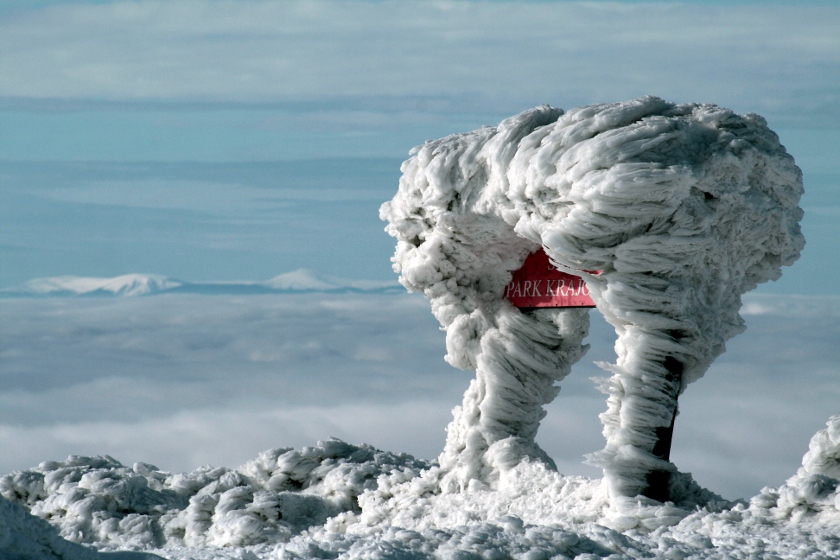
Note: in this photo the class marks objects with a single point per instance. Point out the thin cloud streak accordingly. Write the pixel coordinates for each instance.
(754, 57)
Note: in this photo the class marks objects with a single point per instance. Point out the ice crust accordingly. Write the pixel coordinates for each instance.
(813, 493)
(683, 208)
(336, 500)
(97, 500)
(26, 537)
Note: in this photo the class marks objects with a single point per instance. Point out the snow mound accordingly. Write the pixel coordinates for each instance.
(336, 500)
(26, 537)
(97, 500)
(813, 493)
(302, 279)
(307, 280)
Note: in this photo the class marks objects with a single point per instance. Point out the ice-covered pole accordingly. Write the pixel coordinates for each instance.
(683, 208)
(455, 248)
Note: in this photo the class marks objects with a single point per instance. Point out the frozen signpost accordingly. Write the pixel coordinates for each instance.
(679, 208)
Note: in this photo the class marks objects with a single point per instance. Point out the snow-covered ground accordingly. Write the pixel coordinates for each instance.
(339, 500)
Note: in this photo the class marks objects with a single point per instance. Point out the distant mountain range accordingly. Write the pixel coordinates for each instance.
(130, 285)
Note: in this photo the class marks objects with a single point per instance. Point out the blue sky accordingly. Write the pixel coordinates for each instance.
(220, 140)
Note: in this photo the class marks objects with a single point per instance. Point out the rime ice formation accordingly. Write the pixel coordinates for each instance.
(520, 359)
(337, 500)
(26, 537)
(97, 500)
(682, 207)
(813, 493)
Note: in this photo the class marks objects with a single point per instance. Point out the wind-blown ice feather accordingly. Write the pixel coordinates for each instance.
(683, 208)
(813, 493)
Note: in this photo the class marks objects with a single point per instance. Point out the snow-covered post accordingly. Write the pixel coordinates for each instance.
(683, 208)
(454, 246)
(519, 360)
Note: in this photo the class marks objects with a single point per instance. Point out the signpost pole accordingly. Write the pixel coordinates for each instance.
(538, 284)
(658, 481)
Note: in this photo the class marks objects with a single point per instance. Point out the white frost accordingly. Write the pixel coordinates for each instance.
(337, 500)
(813, 493)
(683, 208)
(97, 500)
(26, 537)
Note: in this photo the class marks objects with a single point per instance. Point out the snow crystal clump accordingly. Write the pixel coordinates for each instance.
(97, 500)
(682, 209)
(355, 502)
(813, 493)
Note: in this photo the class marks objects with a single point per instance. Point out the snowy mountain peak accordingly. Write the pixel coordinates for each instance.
(128, 285)
(301, 279)
(125, 285)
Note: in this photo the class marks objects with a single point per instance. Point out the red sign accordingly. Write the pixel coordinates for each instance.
(539, 284)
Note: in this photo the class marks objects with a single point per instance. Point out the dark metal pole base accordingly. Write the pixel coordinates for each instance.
(657, 488)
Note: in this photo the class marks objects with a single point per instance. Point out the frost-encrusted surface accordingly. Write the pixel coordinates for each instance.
(336, 500)
(97, 500)
(26, 537)
(521, 357)
(813, 493)
(683, 208)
